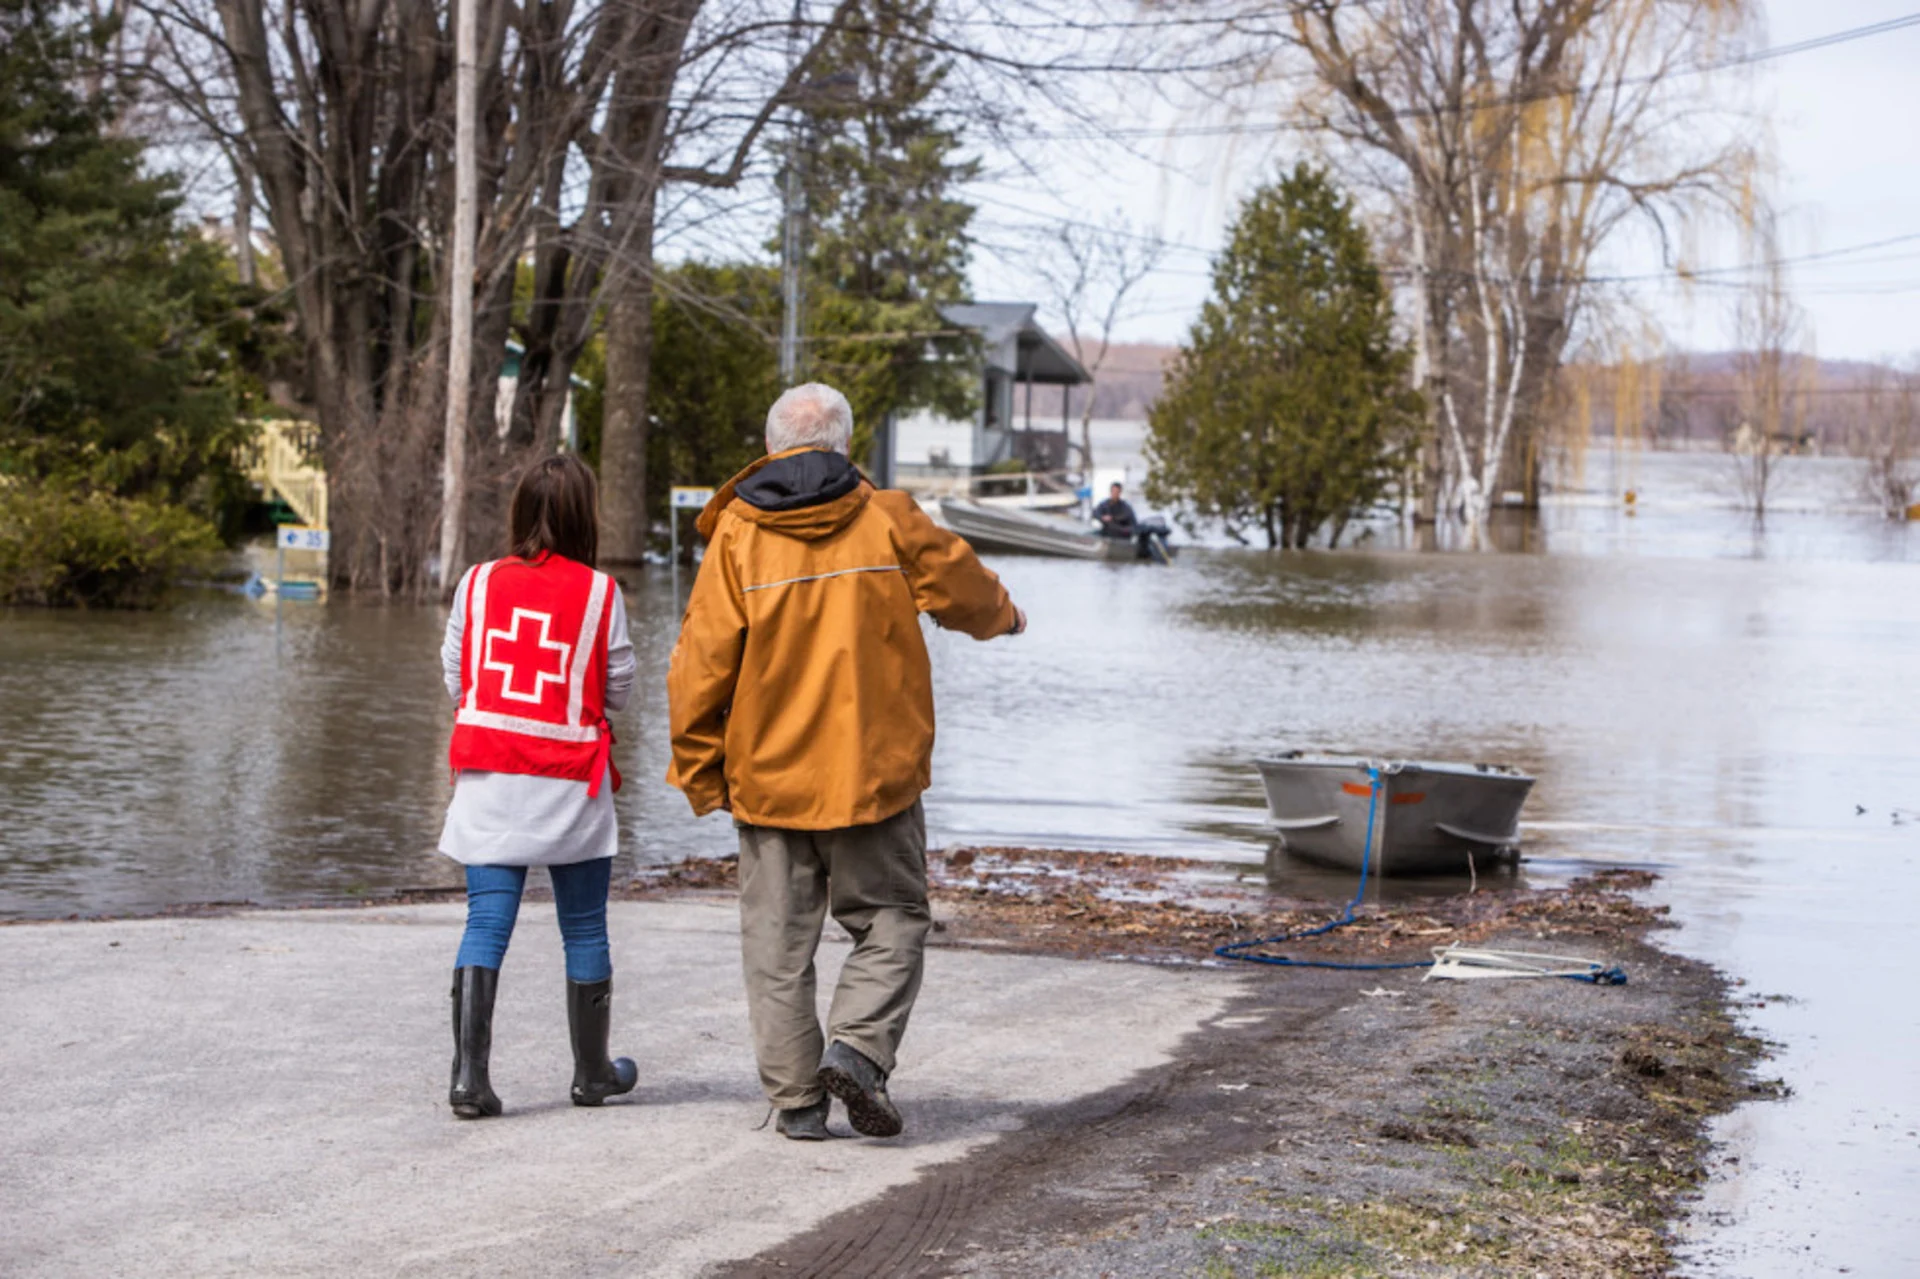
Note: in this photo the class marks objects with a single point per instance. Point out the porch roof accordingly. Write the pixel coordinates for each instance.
(1015, 345)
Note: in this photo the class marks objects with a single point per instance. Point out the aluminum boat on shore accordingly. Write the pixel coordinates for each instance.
(1427, 817)
(1033, 532)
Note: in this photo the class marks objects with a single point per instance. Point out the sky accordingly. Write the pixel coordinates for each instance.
(1846, 158)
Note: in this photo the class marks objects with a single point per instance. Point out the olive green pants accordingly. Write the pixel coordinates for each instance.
(874, 880)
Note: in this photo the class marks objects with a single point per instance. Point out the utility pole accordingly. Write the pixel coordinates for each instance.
(793, 227)
(792, 256)
(460, 288)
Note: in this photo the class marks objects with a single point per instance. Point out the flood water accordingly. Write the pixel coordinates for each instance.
(1715, 702)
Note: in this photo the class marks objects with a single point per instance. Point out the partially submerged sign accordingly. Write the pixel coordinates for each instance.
(681, 497)
(296, 537)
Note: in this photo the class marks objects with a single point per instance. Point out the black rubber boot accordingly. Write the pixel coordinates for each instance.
(805, 1123)
(589, 1022)
(470, 1093)
(862, 1087)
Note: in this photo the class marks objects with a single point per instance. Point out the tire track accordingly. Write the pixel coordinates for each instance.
(1058, 1174)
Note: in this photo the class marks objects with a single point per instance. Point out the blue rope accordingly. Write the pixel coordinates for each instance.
(1615, 976)
(1238, 949)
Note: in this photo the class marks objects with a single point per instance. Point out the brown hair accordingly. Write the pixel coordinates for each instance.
(556, 509)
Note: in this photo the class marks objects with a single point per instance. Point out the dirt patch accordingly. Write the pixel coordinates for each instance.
(1092, 905)
(1328, 1123)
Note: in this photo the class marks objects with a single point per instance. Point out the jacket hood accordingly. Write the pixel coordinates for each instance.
(812, 477)
(807, 493)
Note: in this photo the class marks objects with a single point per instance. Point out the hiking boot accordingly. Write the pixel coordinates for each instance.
(805, 1123)
(589, 1022)
(861, 1087)
(469, 1091)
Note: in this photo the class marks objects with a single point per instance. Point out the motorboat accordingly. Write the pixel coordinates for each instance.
(1037, 532)
(1049, 503)
(1427, 817)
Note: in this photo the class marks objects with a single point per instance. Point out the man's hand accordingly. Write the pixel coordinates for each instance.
(1019, 621)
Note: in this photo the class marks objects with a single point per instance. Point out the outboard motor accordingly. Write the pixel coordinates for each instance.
(1151, 539)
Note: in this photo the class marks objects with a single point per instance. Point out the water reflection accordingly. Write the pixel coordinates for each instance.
(232, 750)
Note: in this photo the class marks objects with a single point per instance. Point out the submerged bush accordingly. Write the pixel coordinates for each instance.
(63, 547)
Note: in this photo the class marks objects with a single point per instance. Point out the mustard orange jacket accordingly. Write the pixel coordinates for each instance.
(800, 693)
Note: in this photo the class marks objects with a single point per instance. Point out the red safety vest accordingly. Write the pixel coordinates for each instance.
(533, 672)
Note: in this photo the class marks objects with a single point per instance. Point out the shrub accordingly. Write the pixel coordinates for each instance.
(63, 547)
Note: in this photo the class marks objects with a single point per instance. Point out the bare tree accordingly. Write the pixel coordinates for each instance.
(1509, 140)
(1089, 273)
(1771, 371)
(342, 111)
(1888, 438)
(600, 122)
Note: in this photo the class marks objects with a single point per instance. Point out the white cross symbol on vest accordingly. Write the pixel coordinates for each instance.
(527, 654)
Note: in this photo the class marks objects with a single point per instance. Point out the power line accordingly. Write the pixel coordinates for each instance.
(1769, 54)
(1700, 274)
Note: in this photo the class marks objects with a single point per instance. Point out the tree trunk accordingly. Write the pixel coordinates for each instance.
(382, 483)
(494, 463)
(243, 223)
(624, 526)
(1429, 471)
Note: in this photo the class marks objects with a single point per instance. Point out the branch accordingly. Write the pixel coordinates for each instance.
(731, 175)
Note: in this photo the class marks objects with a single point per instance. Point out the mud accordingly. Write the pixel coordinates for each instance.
(1112, 905)
(1329, 1123)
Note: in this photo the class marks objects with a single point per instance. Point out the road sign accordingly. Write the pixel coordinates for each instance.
(302, 537)
(681, 497)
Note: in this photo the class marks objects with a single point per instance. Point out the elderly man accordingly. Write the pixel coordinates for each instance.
(802, 702)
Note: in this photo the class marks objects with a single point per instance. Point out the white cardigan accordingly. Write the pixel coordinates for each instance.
(518, 819)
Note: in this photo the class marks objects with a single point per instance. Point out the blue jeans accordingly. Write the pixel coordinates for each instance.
(579, 900)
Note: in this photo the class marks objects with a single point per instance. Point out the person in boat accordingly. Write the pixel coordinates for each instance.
(536, 653)
(801, 701)
(1116, 517)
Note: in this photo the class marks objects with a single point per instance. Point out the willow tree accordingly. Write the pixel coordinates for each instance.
(1511, 141)
(1289, 406)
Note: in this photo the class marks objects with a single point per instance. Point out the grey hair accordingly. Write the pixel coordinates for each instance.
(812, 415)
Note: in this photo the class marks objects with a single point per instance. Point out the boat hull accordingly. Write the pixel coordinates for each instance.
(1429, 818)
(1002, 529)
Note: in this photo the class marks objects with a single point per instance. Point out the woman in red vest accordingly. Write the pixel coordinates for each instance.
(535, 656)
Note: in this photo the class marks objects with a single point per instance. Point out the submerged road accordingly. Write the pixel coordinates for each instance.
(265, 1093)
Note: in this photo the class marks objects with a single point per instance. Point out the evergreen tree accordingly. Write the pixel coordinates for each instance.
(1289, 406)
(714, 374)
(888, 240)
(120, 337)
(119, 328)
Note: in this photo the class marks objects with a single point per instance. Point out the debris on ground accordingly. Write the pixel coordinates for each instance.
(1328, 1123)
(1094, 904)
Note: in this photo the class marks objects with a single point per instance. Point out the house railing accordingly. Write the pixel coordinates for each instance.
(284, 460)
